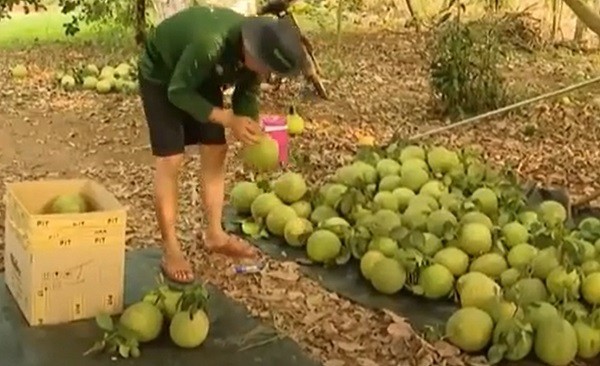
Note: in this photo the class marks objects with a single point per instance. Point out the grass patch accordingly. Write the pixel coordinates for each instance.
(23, 30)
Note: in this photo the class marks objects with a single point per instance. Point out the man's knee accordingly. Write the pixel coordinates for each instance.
(169, 164)
(214, 149)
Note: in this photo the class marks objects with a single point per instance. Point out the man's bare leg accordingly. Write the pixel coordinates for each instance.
(174, 263)
(213, 197)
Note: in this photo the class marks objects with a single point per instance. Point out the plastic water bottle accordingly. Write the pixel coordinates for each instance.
(248, 269)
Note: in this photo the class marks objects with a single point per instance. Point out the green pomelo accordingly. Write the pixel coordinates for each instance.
(514, 233)
(424, 200)
(322, 213)
(119, 85)
(556, 342)
(409, 258)
(587, 250)
(107, 72)
(573, 311)
(387, 246)
(476, 289)
(19, 71)
(263, 155)
(323, 246)
(451, 202)
(454, 259)
(290, 187)
(499, 309)
(336, 225)
(356, 174)
(490, 264)
(278, 217)
(561, 283)
(509, 277)
(475, 239)
(144, 319)
(412, 152)
(122, 71)
(538, 312)
(430, 245)
(415, 217)
(388, 276)
(440, 221)
(552, 213)
(506, 331)
(333, 193)
(91, 70)
(590, 266)
(68, 82)
(589, 224)
(486, 200)
(383, 222)
(527, 218)
(242, 195)
(89, 83)
(414, 178)
(297, 231)
(526, 291)
(477, 217)
(520, 256)
(103, 86)
(413, 163)
(385, 200)
(590, 289)
(262, 205)
(189, 330)
(389, 183)
(403, 196)
(544, 262)
(436, 281)
(470, 329)
(302, 208)
(434, 188)
(69, 204)
(588, 340)
(367, 262)
(170, 302)
(386, 167)
(442, 160)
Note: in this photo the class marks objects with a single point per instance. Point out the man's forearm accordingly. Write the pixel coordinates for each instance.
(221, 116)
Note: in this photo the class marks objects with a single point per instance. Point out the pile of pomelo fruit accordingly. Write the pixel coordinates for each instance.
(179, 310)
(443, 224)
(121, 78)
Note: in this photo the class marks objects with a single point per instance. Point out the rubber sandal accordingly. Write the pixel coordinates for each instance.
(236, 247)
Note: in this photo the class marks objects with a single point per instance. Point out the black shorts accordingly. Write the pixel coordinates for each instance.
(170, 128)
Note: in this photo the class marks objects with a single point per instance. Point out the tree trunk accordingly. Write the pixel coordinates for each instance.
(586, 14)
(166, 8)
(140, 26)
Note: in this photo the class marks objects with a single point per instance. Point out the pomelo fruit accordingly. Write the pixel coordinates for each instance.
(413, 163)
(189, 330)
(104, 86)
(290, 187)
(434, 188)
(509, 277)
(451, 202)
(526, 291)
(590, 266)
(144, 319)
(476, 217)
(263, 155)
(476, 289)
(590, 289)
(588, 339)
(262, 205)
(475, 239)
(323, 246)
(442, 160)
(439, 221)
(297, 231)
(414, 178)
(242, 195)
(68, 82)
(412, 152)
(89, 83)
(454, 259)
(91, 70)
(336, 225)
(436, 281)
(430, 245)
(68, 204)
(385, 245)
(470, 329)
(19, 71)
(527, 218)
(383, 222)
(537, 312)
(552, 213)
(333, 193)
(385, 200)
(322, 213)
(499, 308)
(389, 183)
(490, 264)
(368, 260)
(388, 276)
(514, 233)
(302, 208)
(278, 217)
(387, 167)
(425, 201)
(403, 196)
(520, 256)
(107, 72)
(516, 336)
(415, 217)
(556, 342)
(170, 302)
(486, 200)
(544, 262)
(561, 283)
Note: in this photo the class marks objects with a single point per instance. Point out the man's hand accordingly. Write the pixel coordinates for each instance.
(245, 129)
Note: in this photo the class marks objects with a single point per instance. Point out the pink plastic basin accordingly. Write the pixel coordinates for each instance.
(276, 127)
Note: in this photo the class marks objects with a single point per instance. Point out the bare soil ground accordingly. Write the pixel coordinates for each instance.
(382, 87)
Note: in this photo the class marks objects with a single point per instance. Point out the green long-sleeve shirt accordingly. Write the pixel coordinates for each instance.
(196, 48)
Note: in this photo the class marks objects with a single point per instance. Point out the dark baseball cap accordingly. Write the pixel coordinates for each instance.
(274, 42)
